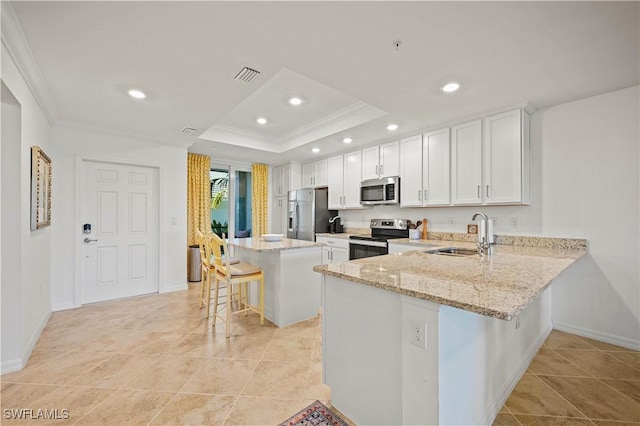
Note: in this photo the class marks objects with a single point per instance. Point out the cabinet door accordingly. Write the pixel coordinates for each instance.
(279, 217)
(321, 173)
(286, 179)
(466, 163)
(370, 163)
(276, 180)
(326, 255)
(389, 159)
(352, 176)
(436, 150)
(308, 175)
(411, 172)
(336, 177)
(503, 158)
(339, 255)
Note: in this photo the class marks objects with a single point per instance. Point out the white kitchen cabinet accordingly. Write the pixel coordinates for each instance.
(466, 163)
(315, 174)
(424, 171)
(279, 216)
(344, 177)
(381, 161)
(335, 251)
(285, 178)
(506, 159)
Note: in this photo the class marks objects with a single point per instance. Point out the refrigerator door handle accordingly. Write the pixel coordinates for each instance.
(296, 214)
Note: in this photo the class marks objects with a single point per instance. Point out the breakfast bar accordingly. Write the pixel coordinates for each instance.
(422, 337)
(291, 289)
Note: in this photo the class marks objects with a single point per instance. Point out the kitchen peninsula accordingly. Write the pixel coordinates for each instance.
(291, 289)
(420, 338)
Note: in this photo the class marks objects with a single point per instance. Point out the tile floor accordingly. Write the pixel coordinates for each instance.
(156, 360)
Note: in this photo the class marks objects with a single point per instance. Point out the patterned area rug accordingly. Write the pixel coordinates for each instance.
(317, 414)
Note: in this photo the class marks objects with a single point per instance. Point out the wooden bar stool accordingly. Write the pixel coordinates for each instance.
(207, 268)
(234, 278)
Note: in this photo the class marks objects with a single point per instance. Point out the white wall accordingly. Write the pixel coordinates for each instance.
(71, 144)
(585, 184)
(590, 189)
(35, 251)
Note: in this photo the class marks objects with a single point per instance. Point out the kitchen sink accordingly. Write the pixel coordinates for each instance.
(453, 251)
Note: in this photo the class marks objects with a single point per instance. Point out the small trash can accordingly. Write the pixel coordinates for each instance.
(195, 268)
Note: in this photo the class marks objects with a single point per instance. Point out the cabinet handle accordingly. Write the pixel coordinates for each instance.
(426, 194)
(478, 191)
(381, 169)
(419, 195)
(487, 191)
(377, 170)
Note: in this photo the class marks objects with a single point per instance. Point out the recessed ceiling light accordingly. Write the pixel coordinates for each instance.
(295, 101)
(315, 150)
(347, 140)
(138, 94)
(450, 87)
(261, 120)
(392, 126)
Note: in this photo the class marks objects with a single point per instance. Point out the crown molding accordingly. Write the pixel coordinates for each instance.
(111, 131)
(16, 44)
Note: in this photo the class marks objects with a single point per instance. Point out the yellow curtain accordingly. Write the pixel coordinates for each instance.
(198, 196)
(259, 194)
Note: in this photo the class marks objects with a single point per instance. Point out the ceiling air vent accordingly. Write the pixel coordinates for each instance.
(246, 74)
(189, 131)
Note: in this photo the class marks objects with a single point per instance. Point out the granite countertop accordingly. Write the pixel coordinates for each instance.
(258, 244)
(499, 286)
(341, 235)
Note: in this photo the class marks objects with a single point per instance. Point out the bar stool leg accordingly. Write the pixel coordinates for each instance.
(228, 313)
(216, 293)
(262, 299)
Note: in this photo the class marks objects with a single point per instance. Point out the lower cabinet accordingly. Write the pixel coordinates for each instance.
(336, 250)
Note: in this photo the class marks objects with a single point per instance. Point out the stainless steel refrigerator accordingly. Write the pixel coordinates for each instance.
(308, 213)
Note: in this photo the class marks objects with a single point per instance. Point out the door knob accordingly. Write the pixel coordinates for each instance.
(88, 240)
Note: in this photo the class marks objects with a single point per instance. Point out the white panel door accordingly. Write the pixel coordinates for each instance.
(322, 173)
(120, 255)
(466, 163)
(411, 172)
(503, 158)
(308, 174)
(436, 173)
(352, 176)
(370, 163)
(389, 159)
(335, 181)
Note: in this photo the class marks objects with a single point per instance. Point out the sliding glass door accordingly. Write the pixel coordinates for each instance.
(231, 200)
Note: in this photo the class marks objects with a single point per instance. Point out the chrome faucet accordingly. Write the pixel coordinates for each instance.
(484, 240)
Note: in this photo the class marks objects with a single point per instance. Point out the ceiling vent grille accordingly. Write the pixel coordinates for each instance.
(247, 74)
(189, 131)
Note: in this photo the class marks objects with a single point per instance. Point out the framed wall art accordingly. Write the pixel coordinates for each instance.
(40, 189)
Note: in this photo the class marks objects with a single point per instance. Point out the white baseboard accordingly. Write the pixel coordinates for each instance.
(514, 378)
(63, 307)
(11, 366)
(597, 335)
(172, 288)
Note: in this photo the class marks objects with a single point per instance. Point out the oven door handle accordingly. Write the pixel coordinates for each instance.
(368, 243)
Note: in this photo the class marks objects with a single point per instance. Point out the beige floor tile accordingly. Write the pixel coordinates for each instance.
(66, 368)
(605, 346)
(289, 349)
(525, 420)
(19, 395)
(561, 340)
(307, 328)
(505, 419)
(77, 401)
(245, 347)
(594, 398)
(195, 409)
(601, 364)
(277, 379)
(221, 376)
(317, 351)
(612, 423)
(250, 325)
(630, 358)
(148, 343)
(199, 345)
(127, 407)
(533, 396)
(547, 361)
(314, 388)
(115, 372)
(166, 374)
(36, 360)
(264, 411)
(631, 388)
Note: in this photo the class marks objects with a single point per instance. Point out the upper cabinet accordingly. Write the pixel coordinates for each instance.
(344, 176)
(424, 170)
(285, 178)
(466, 163)
(381, 161)
(506, 158)
(315, 174)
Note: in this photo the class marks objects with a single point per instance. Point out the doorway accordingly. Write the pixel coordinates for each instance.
(231, 201)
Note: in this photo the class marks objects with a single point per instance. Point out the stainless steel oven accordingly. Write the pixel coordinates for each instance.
(382, 230)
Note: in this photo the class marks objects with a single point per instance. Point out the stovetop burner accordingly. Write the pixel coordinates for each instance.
(385, 229)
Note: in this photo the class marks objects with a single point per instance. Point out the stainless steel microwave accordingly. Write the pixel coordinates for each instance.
(380, 191)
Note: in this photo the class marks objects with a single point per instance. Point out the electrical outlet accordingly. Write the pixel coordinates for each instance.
(495, 221)
(452, 221)
(514, 222)
(419, 334)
